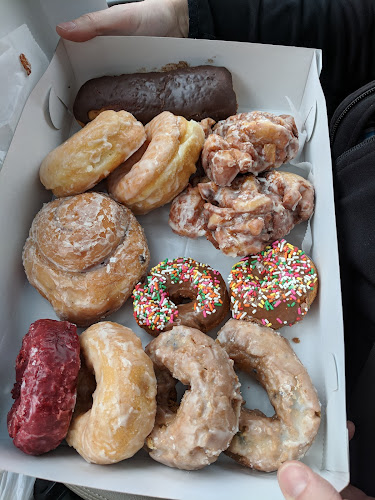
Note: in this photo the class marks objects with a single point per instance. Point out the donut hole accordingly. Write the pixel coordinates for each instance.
(182, 296)
(182, 300)
(181, 390)
(85, 388)
(254, 394)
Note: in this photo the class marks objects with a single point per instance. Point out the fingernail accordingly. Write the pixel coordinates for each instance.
(293, 480)
(69, 26)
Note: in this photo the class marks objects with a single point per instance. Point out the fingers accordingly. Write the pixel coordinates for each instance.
(299, 482)
(351, 429)
(119, 19)
(148, 18)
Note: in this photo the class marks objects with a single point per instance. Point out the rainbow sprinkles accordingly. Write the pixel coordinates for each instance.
(152, 304)
(275, 287)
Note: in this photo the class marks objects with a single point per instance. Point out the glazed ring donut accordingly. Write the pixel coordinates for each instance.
(192, 435)
(46, 386)
(275, 287)
(264, 443)
(160, 170)
(84, 254)
(160, 302)
(91, 154)
(111, 421)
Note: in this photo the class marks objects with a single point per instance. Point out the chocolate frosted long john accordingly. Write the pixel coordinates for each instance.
(194, 92)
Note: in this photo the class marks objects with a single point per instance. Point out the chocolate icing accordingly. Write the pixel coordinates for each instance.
(180, 292)
(194, 93)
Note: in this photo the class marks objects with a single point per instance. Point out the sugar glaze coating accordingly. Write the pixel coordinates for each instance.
(262, 442)
(193, 434)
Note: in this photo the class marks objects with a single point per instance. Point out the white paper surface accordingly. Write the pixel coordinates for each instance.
(15, 84)
(320, 332)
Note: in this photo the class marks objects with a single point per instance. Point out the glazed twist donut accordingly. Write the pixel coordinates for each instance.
(264, 443)
(244, 218)
(46, 386)
(275, 287)
(180, 292)
(84, 254)
(160, 170)
(92, 154)
(192, 435)
(112, 420)
(249, 142)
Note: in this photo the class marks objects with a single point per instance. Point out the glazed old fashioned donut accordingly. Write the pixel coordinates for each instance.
(92, 154)
(275, 287)
(262, 442)
(249, 143)
(180, 292)
(84, 254)
(193, 434)
(113, 417)
(160, 170)
(46, 386)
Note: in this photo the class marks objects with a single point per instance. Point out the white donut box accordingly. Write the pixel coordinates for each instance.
(273, 78)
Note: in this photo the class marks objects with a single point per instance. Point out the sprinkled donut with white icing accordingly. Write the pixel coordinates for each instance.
(275, 287)
(192, 435)
(180, 292)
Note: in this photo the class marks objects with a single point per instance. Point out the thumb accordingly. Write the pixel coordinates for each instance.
(119, 19)
(299, 482)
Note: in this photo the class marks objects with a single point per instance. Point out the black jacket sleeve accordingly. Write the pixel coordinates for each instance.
(343, 29)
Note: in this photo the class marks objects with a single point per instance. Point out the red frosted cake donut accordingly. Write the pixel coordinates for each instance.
(46, 385)
(275, 287)
(180, 292)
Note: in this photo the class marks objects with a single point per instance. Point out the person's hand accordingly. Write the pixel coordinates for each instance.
(150, 17)
(299, 482)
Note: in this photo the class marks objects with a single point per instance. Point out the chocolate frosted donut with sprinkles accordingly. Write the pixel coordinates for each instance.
(275, 287)
(180, 292)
